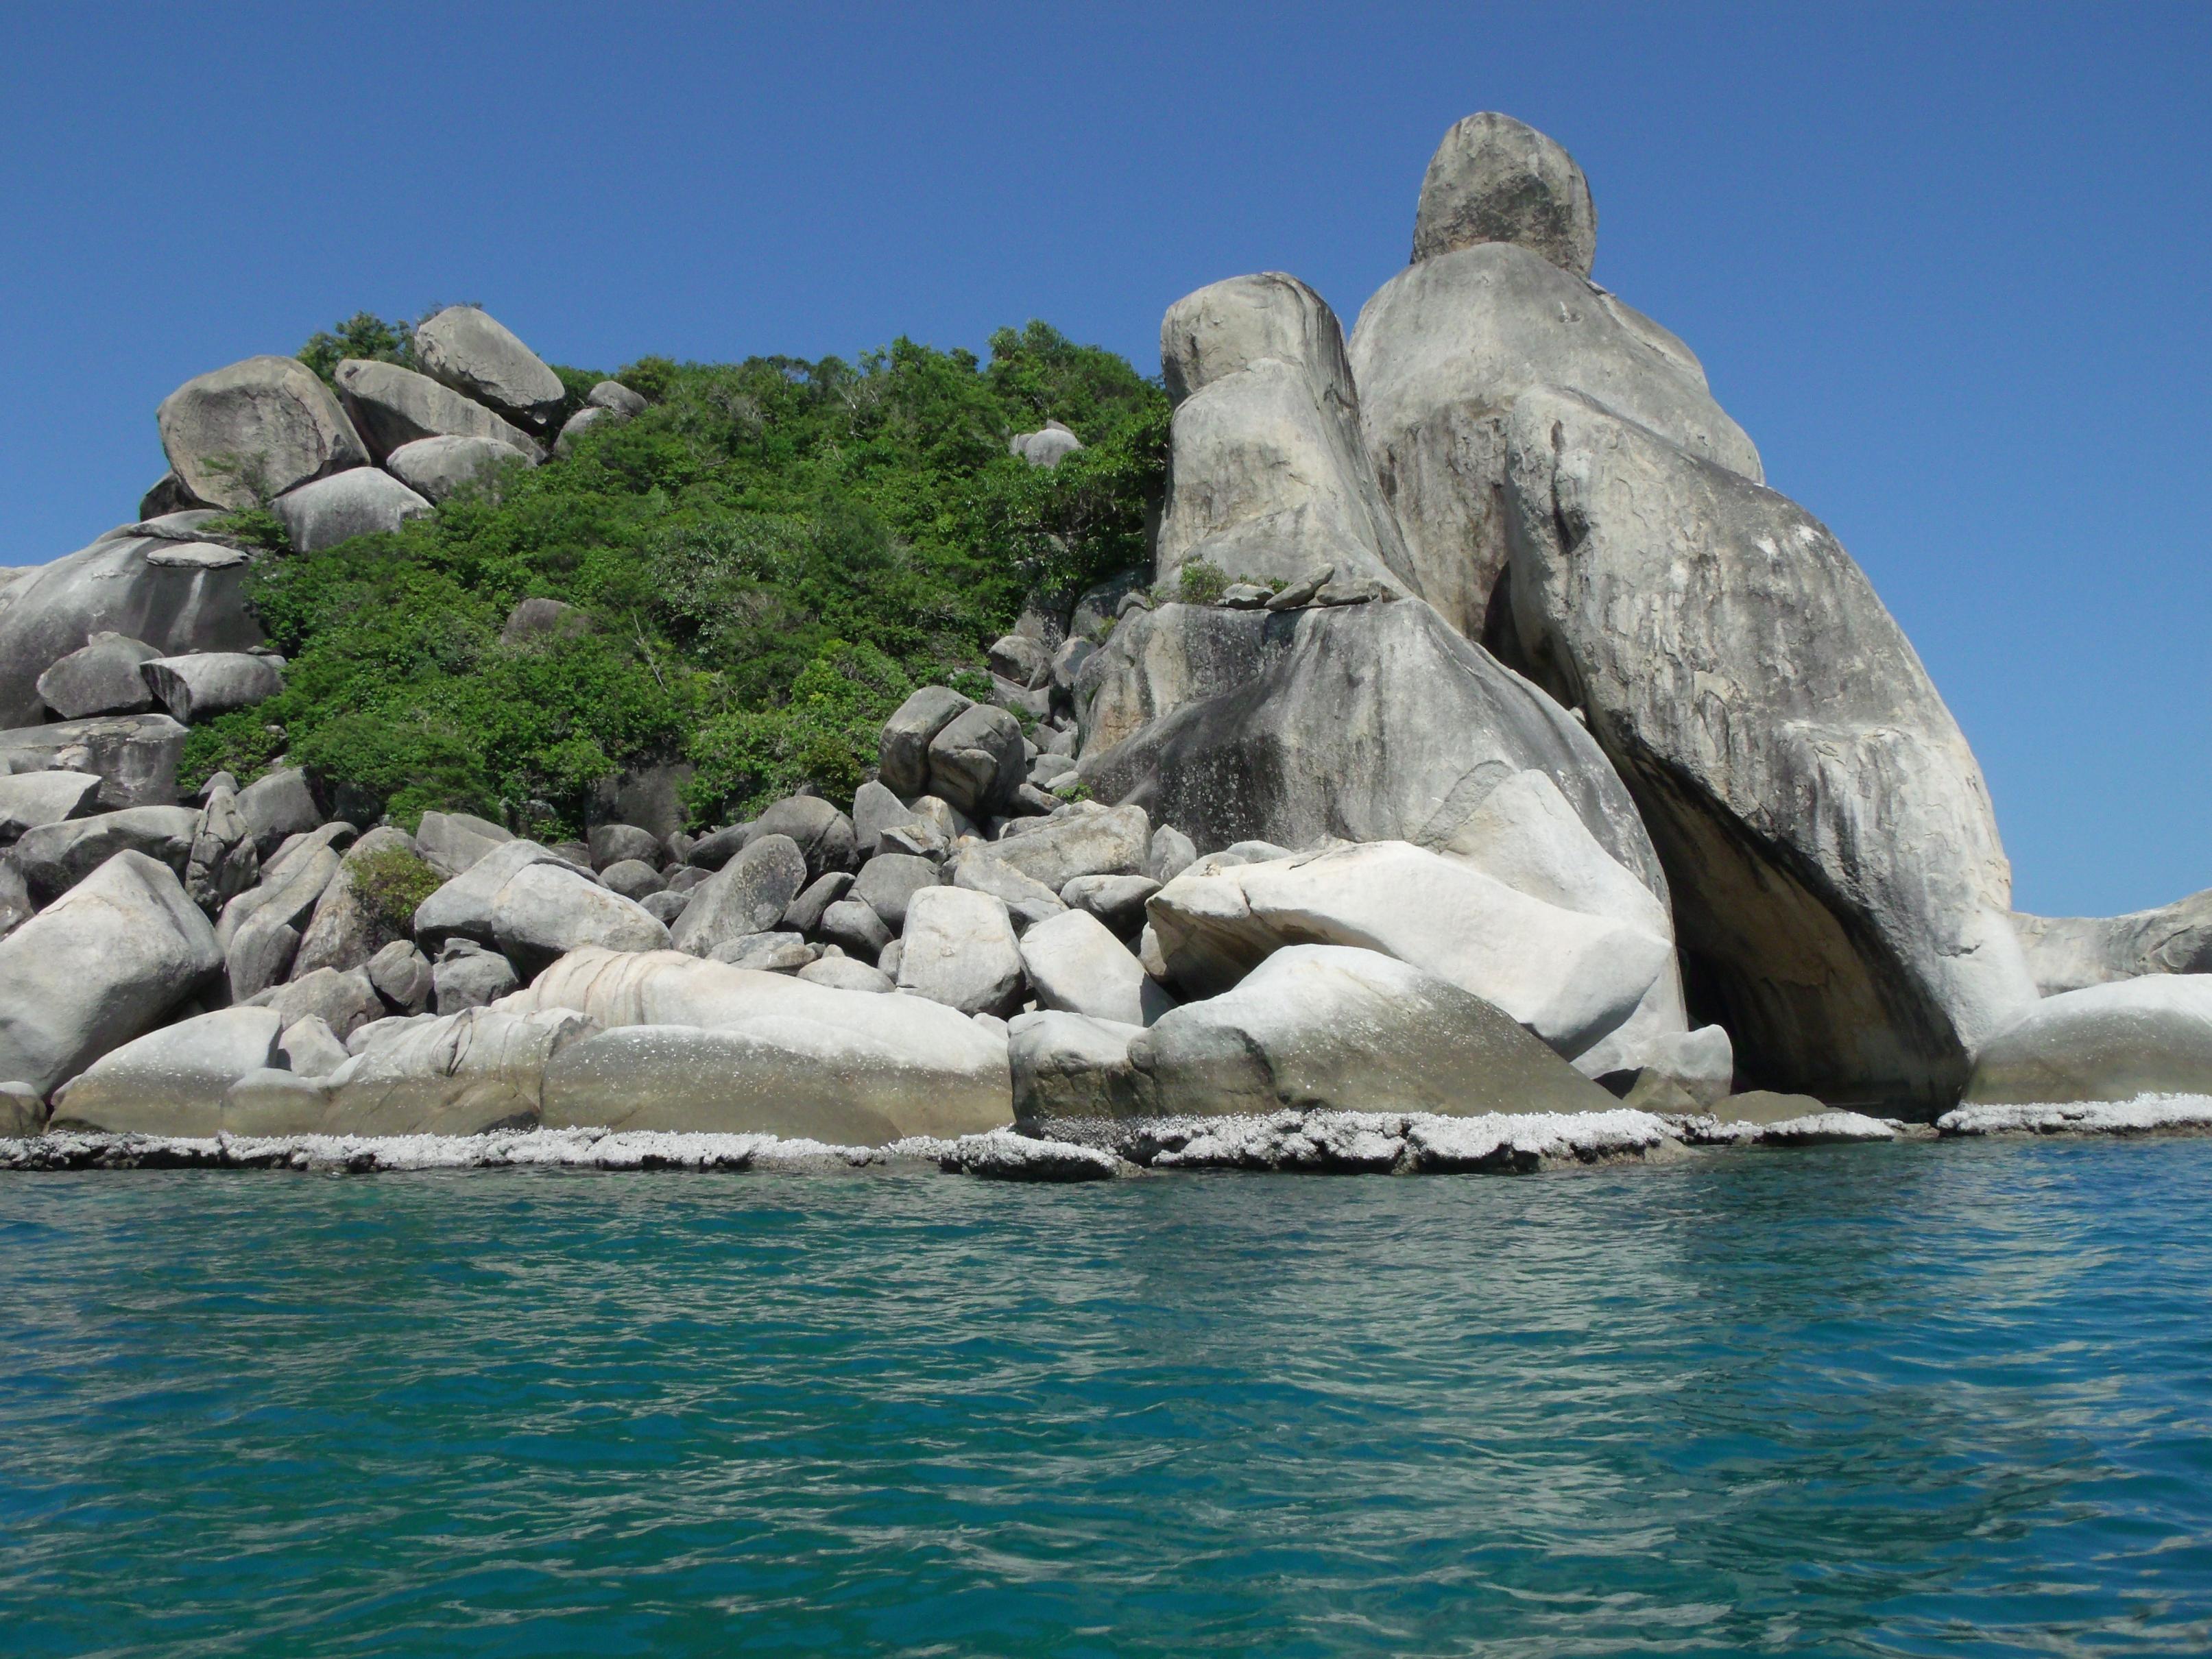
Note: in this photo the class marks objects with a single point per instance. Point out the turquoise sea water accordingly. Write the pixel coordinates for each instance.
(1922, 1399)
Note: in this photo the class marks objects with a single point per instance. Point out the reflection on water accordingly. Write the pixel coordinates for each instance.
(1890, 1399)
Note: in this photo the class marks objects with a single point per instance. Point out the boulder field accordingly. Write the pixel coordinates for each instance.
(1487, 744)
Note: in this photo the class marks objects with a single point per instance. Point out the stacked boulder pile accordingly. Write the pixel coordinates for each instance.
(1484, 715)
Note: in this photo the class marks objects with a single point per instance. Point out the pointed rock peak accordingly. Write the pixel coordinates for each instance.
(1495, 179)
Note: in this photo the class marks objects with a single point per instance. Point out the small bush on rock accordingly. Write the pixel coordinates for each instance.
(1202, 583)
(392, 884)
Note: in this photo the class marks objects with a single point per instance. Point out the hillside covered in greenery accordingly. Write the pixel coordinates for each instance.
(769, 559)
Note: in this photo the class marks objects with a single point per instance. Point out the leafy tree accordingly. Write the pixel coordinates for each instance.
(364, 334)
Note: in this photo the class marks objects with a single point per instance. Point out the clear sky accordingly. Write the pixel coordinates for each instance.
(1948, 266)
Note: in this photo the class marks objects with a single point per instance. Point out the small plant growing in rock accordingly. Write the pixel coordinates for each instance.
(1201, 583)
(392, 883)
(255, 527)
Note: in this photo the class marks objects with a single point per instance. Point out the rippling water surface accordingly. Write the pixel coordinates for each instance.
(1897, 1400)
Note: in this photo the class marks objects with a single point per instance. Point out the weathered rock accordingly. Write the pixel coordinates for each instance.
(114, 586)
(975, 760)
(1268, 475)
(223, 861)
(545, 910)
(577, 425)
(767, 953)
(804, 914)
(1027, 901)
(343, 1000)
(1003, 1155)
(633, 879)
(99, 677)
(704, 1047)
(875, 809)
(452, 842)
(133, 756)
(853, 926)
(613, 844)
(167, 495)
(1676, 1071)
(346, 930)
(1443, 351)
(55, 857)
(310, 1049)
(207, 684)
(1569, 977)
(255, 429)
(466, 975)
(1070, 1066)
(171, 1082)
(715, 848)
(1841, 893)
(2067, 953)
(401, 975)
(2151, 1036)
(362, 502)
(903, 751)
(468, 904)
(959, 950)
(438, 469)
(1047, 447)
(822, 833)
(1076, 966)
(23, 1112)
(259, 955)
(1493, 179)
(28, 799)
(277, 805)
(614, 395)
(747, 894)
(1018, 657)
(1171, 854)
(1117, 901)
(393, 407)
(467, 350)
(666, 905)
(889, 880)
(1097, 844)
(97, 968)
(539, 621)
(457, 1075)
(1348, 1029)
(844, 974)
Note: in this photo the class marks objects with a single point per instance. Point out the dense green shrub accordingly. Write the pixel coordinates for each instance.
(391, 884)
(1201, 583)
(364, 334)
(770, 557)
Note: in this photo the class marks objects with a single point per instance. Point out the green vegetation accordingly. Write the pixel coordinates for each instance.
(769, 558)
(392, 883)
(1201, 583)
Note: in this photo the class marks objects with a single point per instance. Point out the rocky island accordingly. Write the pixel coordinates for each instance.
(1487, 770)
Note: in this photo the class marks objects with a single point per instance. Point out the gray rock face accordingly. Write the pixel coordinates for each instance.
(101, 676)
(822, 833)
(545, 910)
(539, 621)
(805, 913)
(344, 932)
(875, 809)
(1841, 891)
(889, 880)
(97, 968)
(694, 1045)
(133, 756)
(1116, 901)
(612, 843)
(747, 894)
(904, 749)
(438, 468)
(462, 1074)
(277, 805)
(310, 1049)
(467, 350)
(2137, 1036)
(28, 799)
(1443, 350)
(614, 395)
(401, 975)
(1493, 179)
(1367, 723)
(1269, 479)
(976, 761)
(362, 502)
(114, 586)
(393, 407)
(55, 857)
(579, 423)
(2067, 953)
(767, 953)
(854, 929)
(1677, 1072)
(1047, 447)
(844, 974)
(466, 975)
(1077, 967)
(634, 878)
(1347, 1030)
(223, 862)
(452, 842)
(172, 1082)
(23, 1112)
(211, 682)
(468, 904)
(255, 429)
(1071, 1067)
(1027, 900)
(958, 949)
(344, 1001)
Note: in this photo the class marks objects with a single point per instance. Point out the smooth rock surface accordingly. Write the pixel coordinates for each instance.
(393, 407)
(1495, 180)
(747, 894)
(254, 429)
(172, 1082)
(28, 799)
(2139, 1037)
(1076, 966)
(437, 469)
(100, 676)
(463, 348)
(55, 857)
(1069, 1066)
(959, 948)
(362, 502)
(209, 683)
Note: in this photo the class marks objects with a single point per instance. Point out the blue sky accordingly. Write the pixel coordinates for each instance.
(1947, 266)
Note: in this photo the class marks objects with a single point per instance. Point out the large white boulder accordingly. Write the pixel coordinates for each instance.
(1349, 1030)
(362, 502)
(205, 683)
(1075, 965)
(959, 950)
(1071, 1066)
(2114, 1041)
(849, 1062)
(464, 349)
(436, 468)
(1570, 977)
(254, 430)
(393, 407)
(747, 894)
(2065, 953)
(1495, 179)
(172, 1081)
(98, 967)
(55, 857)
